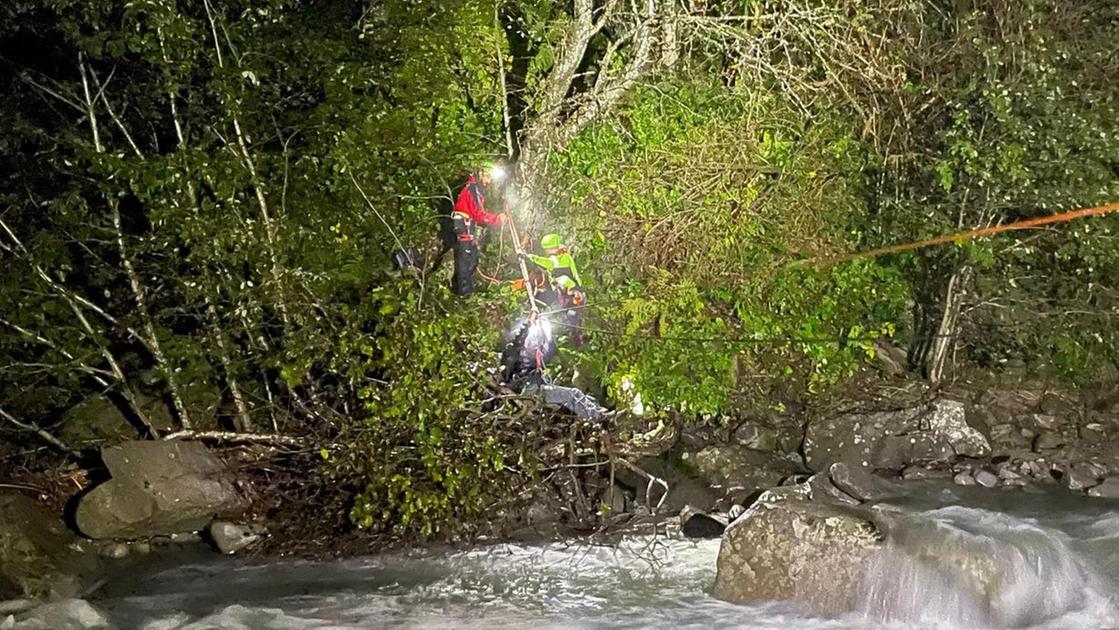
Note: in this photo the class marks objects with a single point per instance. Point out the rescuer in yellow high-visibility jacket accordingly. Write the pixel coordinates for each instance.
(557, 261)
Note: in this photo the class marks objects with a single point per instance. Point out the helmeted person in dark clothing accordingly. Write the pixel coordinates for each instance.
(468, 213)
(529, 346)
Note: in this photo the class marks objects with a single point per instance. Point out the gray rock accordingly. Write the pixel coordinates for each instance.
(1083, 475)
(15, 607)
(1041, 422)
(754, 436)
(39, 557)
(697, 524)
(1109, 489)
(797, 492)
(796, 551)
(93, 421)
(986, 478)
(157, 488)
(963, 478)
(732, 467)
(1048, 440)
(229, 538)
(912, 473)
(1006, 474)
(939, 432)
(823, 490)
(949, 421)
(115, 551)
(860, 482)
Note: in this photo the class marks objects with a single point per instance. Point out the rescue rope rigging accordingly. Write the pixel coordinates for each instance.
(1024, 224)
(831, 261)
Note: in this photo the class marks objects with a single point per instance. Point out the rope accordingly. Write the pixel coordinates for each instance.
(967, 235)
(742, 342)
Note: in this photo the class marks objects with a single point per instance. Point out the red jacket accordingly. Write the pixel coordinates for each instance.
(472, 202)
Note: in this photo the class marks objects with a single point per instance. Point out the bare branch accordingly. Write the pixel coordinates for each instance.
(229, 437)
(37, 430)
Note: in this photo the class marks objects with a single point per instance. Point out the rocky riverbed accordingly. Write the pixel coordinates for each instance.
(834, 489)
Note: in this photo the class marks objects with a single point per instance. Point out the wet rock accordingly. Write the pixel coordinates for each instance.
(699, 436)
(938, 432)
(731, 467)
(114, 551)
(1048, 440)
(823, 490)
(1109, 489)
(93, 421)
(912, 473)
(756, 437)
(798, 492)
(229, 538)
(39, 557)
(1041, 422)
(1083, 476)
(15, 606)
(1053, 404)
(986, 478)
(157, 488)
(697, 524)
(963, 478)
(860, 482)
(69, 614)
(796, 551)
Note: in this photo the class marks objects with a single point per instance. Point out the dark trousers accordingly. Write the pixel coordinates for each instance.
(466, 263)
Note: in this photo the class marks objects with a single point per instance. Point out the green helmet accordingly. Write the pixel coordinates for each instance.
(551, 241)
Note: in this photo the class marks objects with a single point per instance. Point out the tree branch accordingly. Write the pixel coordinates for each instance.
(37, 430)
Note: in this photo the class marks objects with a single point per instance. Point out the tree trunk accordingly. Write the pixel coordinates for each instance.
(936, 322)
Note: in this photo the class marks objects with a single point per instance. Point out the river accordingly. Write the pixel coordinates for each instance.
(1057, 554)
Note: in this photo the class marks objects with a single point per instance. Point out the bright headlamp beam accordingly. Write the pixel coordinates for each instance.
(497, 172)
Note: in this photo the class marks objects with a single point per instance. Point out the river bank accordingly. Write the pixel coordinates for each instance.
(1012, 441)
(640, 582)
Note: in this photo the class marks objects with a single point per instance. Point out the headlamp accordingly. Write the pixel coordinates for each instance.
(498, 172)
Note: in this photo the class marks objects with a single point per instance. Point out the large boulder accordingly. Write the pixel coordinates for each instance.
(39, 557)
(938, 432)
(733, 467)
(157, 488)
(796, 551)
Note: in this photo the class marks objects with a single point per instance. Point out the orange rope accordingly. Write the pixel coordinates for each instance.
(970, 234)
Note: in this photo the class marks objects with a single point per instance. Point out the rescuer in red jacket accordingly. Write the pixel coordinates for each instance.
(469, 212)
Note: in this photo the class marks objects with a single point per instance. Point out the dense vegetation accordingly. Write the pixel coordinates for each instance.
(200, 201)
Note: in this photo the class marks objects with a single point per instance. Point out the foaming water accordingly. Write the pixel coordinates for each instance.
(1007, 561)
(961, 567)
